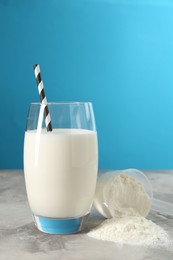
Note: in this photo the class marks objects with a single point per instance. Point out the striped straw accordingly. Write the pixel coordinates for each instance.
(42, 97)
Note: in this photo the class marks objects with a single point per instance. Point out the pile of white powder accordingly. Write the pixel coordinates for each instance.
(128, 204)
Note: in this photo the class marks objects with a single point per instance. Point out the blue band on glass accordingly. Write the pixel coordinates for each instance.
(58, 226)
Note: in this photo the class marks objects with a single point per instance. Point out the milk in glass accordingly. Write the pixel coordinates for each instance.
(60, 171)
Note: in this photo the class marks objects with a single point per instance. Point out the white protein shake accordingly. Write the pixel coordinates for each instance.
(60, 171)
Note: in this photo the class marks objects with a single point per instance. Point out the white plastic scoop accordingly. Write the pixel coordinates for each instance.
(103, 185)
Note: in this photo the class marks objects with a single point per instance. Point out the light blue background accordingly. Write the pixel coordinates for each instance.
(117, 54)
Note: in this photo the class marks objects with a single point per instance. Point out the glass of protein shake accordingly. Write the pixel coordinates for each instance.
(60, 165)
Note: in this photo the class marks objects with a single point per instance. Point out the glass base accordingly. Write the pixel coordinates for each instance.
(59, 226)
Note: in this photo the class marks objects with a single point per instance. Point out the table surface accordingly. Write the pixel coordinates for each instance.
(20, 240)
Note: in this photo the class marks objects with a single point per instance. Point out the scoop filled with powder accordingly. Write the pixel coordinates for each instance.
(126, 196)
(118, 193)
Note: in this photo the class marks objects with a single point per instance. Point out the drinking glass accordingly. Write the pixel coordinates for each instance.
(60, 166)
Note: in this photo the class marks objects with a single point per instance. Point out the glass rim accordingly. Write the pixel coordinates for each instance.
(62, 103)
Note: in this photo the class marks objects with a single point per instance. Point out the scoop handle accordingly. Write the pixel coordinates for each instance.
(162, 206)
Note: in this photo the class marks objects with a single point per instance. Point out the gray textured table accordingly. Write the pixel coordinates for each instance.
(19, 239)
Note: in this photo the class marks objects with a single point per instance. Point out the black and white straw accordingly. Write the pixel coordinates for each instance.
(43, 97)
